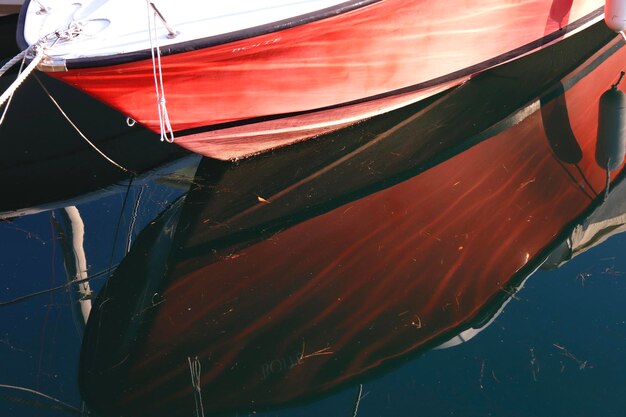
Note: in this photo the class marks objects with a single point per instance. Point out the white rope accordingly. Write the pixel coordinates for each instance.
(133, 220)
(195, 369)
(41, 394)
(37, 52)
(22, 77)
(6, 108)
(82, 135)
(17, 58)
(359, 396)
(72, 31)
(165, 127)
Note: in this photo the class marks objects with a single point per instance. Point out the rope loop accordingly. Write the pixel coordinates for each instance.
(195, 369)
(165, 126)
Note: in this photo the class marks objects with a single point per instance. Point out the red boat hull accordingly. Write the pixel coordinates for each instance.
(270, 90)
(277, 312)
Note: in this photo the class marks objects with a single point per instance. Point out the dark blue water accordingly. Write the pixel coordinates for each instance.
(490, 375)
(551, 340)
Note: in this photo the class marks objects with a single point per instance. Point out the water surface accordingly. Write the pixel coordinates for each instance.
(414, 264)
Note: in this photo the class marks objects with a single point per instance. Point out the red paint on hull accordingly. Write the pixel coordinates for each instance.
(431, 250)
(352, 57)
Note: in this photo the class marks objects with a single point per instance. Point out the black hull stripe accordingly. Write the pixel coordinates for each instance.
(465, 72)
(19, 35)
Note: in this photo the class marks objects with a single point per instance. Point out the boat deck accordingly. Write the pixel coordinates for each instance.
(124, 27)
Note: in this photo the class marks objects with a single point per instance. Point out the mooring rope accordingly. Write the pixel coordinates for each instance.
(133, 220)
(359, 396)
(6, 107)
(17, 58)
(38, 50)
(41, 394)
(195, 369)
(80, 133)
(65, 286)
(165, 127)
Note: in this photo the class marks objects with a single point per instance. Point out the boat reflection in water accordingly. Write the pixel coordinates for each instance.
(288, 276)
